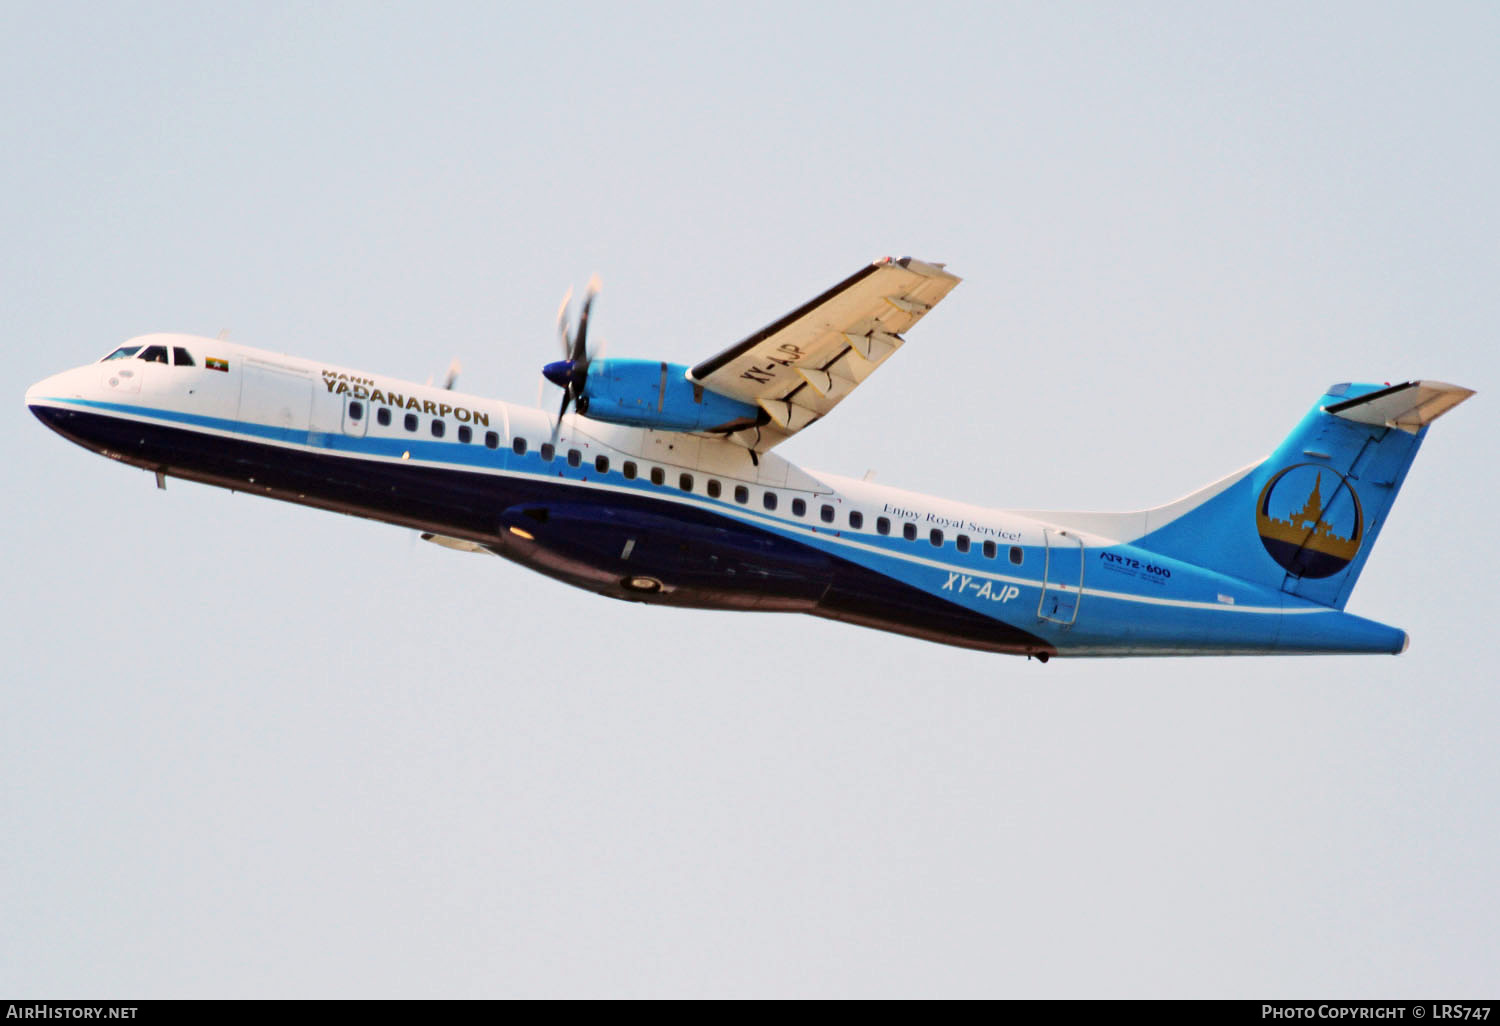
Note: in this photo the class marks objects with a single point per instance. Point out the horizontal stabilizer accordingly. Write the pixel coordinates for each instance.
(1410, 406)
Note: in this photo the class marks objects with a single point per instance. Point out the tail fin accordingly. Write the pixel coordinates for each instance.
(1306, 519)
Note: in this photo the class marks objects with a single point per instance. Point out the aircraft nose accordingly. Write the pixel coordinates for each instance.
(47, 388)
(36, 397)
(48, 398)
(53, 401)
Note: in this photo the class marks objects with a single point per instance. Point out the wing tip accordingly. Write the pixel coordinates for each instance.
(926, 268)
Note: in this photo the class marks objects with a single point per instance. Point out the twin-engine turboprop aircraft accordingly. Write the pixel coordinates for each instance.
(662, 486)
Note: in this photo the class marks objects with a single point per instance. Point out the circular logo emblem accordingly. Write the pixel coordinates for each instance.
(1310, 521)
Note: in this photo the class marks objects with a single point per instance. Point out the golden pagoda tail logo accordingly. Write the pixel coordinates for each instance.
(1310, 520)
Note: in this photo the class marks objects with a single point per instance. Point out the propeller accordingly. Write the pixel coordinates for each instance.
(571, 373)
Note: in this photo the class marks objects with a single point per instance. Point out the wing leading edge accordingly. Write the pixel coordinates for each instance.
(798, 368)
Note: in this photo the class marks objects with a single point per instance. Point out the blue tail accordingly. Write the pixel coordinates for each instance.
(1305, 520)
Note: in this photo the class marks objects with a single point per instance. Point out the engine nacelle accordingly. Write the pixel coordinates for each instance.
(651, 394)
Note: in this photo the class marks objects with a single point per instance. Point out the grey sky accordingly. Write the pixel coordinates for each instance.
(249, 749)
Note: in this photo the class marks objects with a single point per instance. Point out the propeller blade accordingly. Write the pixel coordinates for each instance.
(453, 370)
(562, 324)
(580, 354)
(561, 412)
(580, 342)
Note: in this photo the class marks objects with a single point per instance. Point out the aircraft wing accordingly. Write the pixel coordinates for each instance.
(800, 367)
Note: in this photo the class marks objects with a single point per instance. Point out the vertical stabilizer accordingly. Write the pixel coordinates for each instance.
(1306, 519)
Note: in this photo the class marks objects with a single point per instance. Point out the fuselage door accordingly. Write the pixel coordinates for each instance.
(1062, 577)
(356, 416)
(280, 400)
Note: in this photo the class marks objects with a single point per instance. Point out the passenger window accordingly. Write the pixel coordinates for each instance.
(548, 452)
(383, 415)
(629, 470)
(574, 457)
(438, 427)
(411, 422)
(658, 476)
(989, 550)
(936, 537)
(962, 542)
(601, 464)
(883, 525)
(685, 482)
(517, 444)
(909, 531)
(465, 434)
(826, 514)
(154, 354)
(741, 494)
(856, 519)
(798, 507)
(492, 441)
(356, 410)
(769, 500)
(1016, 555)
(714, 488)
(182, 358)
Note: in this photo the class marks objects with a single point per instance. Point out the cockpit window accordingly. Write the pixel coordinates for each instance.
(123, 353)
(154, 354)
(182, 358)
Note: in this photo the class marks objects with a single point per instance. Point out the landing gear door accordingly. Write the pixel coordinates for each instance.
(356, 416)
(1062, 577)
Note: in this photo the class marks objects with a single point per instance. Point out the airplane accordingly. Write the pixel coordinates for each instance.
(662, 486)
